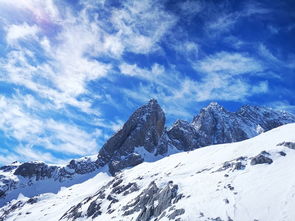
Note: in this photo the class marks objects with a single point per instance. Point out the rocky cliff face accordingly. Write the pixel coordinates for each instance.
(143, 129)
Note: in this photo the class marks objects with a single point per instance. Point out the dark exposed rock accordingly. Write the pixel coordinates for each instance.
(8, 168)
(2, 193)
(230, 187)
(40, 170)
(229, 218)
(282, 153)
(131, 189)
(131, 160)
(216, 219)
(73, 213)
(237, 164)
(123, 188)
(11, 209)
(152, 201)
(117, 182)
(290, 145)
(261, 158)
(178, 197)
(82, 166)
(226, 201)
(183, 135)
(93, 210)
(176, 213)
(32, 200)
(114, 188)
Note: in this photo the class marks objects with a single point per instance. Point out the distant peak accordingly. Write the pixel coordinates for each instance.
(214, 103)
(215, 106)
(153, 101)
(247, 107)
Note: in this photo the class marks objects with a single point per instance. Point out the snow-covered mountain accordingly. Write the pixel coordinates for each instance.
(144, 140)
(247, 180)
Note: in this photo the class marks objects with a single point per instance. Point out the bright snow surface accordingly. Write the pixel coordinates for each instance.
(261, 192)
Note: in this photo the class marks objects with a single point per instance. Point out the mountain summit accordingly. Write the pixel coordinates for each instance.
(143, 129)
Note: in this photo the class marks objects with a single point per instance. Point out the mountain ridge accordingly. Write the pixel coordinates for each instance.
(143, 137)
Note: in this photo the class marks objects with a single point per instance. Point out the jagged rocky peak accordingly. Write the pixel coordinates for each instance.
(254, 112)
(217, 125)
(143, 129)
(210, 113)
(214, 106)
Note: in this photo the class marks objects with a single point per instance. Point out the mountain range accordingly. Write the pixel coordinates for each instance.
(215, 167)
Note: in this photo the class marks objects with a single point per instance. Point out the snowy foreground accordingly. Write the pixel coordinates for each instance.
(220, 182)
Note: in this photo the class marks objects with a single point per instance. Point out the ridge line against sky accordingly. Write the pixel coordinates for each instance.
(71, 72)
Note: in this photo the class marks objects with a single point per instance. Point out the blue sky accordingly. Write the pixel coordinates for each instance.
(71, 72)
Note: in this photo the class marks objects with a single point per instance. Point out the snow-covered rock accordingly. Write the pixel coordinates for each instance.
(29, 177)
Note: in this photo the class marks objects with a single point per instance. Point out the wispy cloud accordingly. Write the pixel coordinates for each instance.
(31, 130)
(229, 63)
(274, 60)
(223, 19)
(16, 32)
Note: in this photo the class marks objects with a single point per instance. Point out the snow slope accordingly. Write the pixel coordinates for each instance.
(219, 182)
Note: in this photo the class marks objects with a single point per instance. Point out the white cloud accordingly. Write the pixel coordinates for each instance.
(222, 19)
(30, 130)
(190, 7)
(229, 63)
(134, 71)
(222, 23)
(16, 32)
(189, 50)
(221, 78)
(43, 11)
(141, 25)
(273, 58)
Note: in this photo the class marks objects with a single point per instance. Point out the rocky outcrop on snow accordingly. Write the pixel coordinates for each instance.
(18, 175)
(262, 158)
(152, 203)
(38, 169)
(290, 145)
